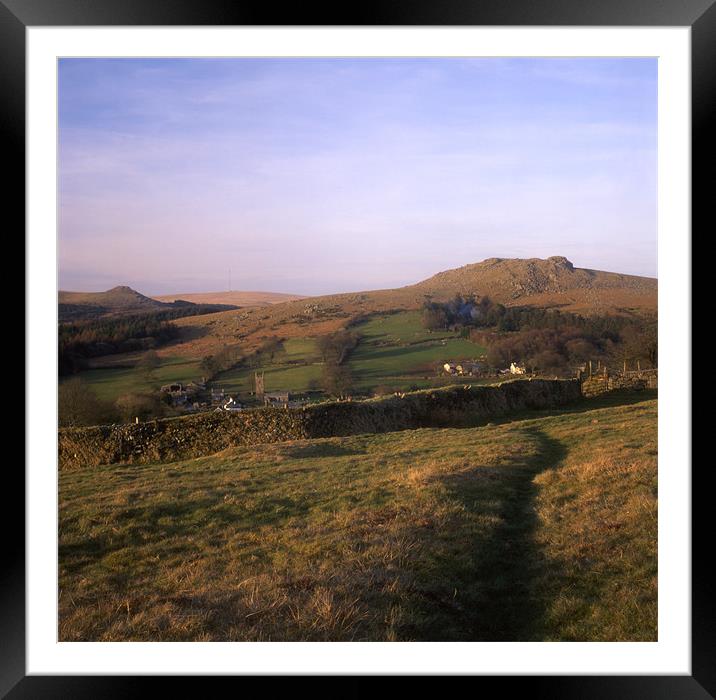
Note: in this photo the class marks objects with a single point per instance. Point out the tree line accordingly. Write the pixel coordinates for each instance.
(232, 356)
(78, 342)
(545, 339)
(81, 340)
(78, 405)
(335, 349)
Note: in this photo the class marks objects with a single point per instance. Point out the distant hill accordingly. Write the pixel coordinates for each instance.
(122, 300)
(553, 282)
(235, 298)
(539, 283)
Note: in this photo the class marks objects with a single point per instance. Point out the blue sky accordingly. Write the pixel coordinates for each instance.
(326, 175)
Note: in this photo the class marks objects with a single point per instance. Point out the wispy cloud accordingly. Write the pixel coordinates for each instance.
(320, 175)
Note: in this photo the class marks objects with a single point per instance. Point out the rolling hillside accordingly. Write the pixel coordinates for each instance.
(76, 305)
(122, 300)
(387, 356)
(550, 283)
(235, 298)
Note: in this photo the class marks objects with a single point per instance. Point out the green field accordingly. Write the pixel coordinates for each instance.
(112, 382)
(397, 328)
(539, 528)
(297, 367)
(394, 350)
(276, 378)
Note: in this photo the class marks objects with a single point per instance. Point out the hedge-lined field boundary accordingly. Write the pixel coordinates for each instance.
(200, 435)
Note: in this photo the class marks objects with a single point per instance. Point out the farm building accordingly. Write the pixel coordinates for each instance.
(230, 405)
(179, 393)
(464, 368)
(277, 398)
(515, 369)
(176, 392)
(172, 388)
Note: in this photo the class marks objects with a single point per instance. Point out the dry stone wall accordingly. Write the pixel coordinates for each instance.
(600, 384)
(205, 434)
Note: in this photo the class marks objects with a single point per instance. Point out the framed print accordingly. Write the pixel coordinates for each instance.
(359, 321)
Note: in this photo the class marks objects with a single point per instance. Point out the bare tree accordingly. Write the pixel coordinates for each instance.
(148, 363)
(131, 406)
(79, 405)
(337, 379)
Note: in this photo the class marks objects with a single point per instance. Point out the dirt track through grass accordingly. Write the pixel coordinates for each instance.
(542, 528)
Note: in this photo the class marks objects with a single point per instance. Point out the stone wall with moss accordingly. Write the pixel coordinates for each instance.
(207, 433)
(602, 383)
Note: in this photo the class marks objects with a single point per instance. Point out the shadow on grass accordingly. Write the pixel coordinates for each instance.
(320, 449)
(612, 399)
(134, 527)
(496, 577)
(189, 333)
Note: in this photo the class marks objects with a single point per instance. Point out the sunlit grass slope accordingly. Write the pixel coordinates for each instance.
(541, 528)
(395, 349)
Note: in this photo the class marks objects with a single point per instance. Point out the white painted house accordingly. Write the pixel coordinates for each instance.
(230, 405)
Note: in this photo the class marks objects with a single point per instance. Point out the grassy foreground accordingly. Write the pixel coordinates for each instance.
(542, 528)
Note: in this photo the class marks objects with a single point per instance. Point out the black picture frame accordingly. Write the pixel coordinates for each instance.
(700, 15)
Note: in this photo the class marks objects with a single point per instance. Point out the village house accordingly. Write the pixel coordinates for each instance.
(230, 405)
(465, 368)
(277, 398)
(181, 394)
(176, 392)
(515, 369)
(172, 388)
